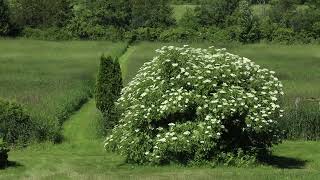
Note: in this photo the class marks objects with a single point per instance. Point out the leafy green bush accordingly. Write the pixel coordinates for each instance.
(316, 29)
(15, 124)
(151, 13)
(266, 28)
(189, 20)
(283, 35)
(225, 35)
(108, 88)
(304, 37)
(40, 13)
(178, 35)
(46, 34)
(3, 153)
(115, 13)
(144, 34)
(215, 12)
(249, 29)
(193, 105)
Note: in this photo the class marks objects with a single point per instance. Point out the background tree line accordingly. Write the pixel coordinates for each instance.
(211, 20)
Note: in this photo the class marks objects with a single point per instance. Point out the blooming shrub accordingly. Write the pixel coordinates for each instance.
(193, 105)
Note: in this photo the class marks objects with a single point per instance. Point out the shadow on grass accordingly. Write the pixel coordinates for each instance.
(10, 164)
(285, 162)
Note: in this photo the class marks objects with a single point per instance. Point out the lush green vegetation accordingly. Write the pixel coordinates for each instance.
(43, 84)
(82, 156)
(245, 21)
(51, 79)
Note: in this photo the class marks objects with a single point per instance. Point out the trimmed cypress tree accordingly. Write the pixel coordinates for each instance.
(249, 31)
(108, 89)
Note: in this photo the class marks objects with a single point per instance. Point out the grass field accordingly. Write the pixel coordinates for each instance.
(81, 155)
(51, 79)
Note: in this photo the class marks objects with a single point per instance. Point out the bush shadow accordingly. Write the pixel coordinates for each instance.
(284, 162)
(11, 164)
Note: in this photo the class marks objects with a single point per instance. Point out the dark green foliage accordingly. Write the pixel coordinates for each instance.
(316, 29)
(83, 24)
(151, 13)
(266, 28)
(52, 33)
(178, 35)
(41, 13)
(259, 1)
(137, 20)
(113, 12)
(215, 12)
(189, 20)
(15, 124)
(4, 18)
(186, 1)
(144, 34)
(281, 11)
(108, 89)
(249, 29)
(3, 154)
(314, 3)
(283, 35)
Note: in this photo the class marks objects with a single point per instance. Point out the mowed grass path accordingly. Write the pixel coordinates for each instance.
(81, 156)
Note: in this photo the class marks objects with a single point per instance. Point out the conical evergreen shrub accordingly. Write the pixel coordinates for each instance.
(108, 89)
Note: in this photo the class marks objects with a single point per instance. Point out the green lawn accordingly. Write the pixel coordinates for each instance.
(81, 155)
(51, 79)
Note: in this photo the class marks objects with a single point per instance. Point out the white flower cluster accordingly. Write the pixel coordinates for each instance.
(181, 101)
